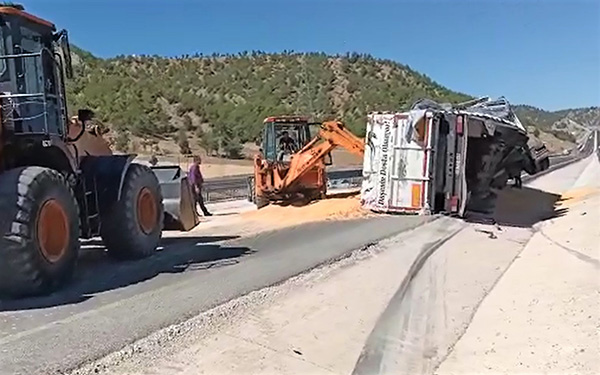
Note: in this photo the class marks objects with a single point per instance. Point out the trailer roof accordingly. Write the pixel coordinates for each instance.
(498, 110)
(20, 13)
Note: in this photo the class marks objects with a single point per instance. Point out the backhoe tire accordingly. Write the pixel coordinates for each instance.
(261, 202)
(315, 195)
(251, 190)
(132, 228)
(39, 229)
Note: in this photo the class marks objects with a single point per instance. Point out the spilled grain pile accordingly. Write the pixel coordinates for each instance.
(577, 195)
(327, 209)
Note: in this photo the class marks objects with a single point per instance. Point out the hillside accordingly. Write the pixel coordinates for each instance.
(170, 105)
(220, 101)
(544, 119)
(567, 124)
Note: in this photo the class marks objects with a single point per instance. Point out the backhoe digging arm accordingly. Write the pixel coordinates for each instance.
(336, 133)
(332, 134)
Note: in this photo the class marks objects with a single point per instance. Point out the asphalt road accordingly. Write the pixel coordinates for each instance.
(112, 304)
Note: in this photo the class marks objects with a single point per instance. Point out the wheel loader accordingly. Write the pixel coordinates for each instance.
(59, 180)
(299, 172)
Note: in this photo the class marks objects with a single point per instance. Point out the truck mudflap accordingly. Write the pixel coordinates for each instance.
(178, 198)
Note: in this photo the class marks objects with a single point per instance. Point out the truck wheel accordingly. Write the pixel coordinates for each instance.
(544, 164)
(482, 198)
(39, 225)
(132, 228)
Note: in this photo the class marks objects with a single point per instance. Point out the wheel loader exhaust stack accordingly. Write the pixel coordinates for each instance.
(59, 180)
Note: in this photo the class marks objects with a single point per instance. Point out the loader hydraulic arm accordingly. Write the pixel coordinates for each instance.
(332, 134)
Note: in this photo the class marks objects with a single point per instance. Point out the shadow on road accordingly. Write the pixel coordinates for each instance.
(525, 207)
(97, 272)
(197, 239)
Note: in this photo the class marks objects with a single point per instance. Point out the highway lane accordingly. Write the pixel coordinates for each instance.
(111, 304)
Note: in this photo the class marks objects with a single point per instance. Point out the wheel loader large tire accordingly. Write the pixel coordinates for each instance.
(133, 227)
(39, 229)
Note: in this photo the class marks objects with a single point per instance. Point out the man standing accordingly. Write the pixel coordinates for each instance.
(196, 181)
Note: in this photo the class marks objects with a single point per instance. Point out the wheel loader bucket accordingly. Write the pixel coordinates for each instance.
(178, 198)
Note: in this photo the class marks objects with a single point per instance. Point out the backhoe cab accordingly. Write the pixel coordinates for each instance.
(292, 161)
(275, 146)
(59, 180)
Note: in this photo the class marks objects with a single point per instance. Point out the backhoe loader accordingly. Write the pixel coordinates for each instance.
(299, 172)
(59, 180)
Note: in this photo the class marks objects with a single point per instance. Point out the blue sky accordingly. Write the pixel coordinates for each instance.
(544, 53)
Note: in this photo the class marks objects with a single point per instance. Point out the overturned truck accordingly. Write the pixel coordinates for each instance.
(442, 158)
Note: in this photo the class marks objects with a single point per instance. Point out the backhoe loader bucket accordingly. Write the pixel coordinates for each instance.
(178, 198)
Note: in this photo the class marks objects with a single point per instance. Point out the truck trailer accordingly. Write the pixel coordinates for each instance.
(438, 158)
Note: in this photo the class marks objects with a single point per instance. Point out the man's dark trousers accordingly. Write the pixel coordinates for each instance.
(200, 200)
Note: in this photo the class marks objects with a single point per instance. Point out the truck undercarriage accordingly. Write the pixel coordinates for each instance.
(498, 148)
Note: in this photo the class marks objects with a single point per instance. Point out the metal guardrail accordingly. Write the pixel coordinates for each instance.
(224, 194)
(224, 189)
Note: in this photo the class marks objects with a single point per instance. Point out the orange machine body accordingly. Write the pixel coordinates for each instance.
(304, 174)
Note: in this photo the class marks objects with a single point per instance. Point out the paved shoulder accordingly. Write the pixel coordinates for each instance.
(112, 305)
(544, 314)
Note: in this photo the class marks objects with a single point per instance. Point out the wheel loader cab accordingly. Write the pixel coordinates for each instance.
(32, 63)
